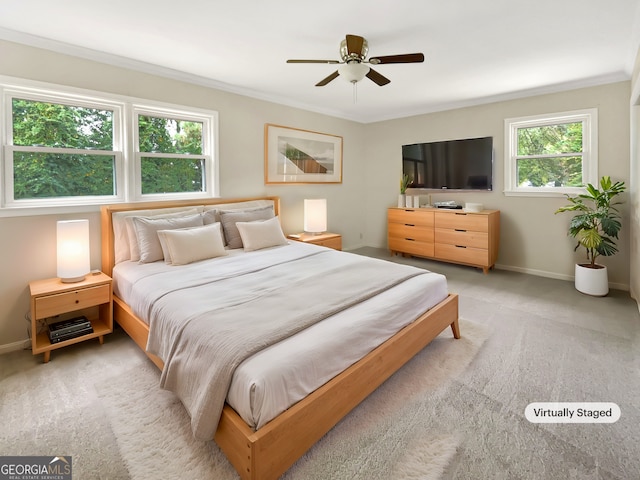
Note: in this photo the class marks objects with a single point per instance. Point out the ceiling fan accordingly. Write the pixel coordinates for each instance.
(354, 66)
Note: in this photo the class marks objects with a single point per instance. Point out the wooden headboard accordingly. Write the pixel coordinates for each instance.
(107, 211)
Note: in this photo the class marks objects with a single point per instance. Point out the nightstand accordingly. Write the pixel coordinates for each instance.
(50, 298)
(331, 240)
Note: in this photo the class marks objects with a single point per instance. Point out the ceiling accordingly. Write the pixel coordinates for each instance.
(475, 52)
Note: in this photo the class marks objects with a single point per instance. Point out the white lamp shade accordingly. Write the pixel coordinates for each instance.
(74, 260)
(353, 72)
(315, 215)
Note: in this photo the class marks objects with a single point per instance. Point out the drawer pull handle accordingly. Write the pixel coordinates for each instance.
(459, 230)
(410, 239)
(409, 225)
(460, 246)
(460, 213)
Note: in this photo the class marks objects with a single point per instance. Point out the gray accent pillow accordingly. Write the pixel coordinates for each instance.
(229, 218)
(147, 233)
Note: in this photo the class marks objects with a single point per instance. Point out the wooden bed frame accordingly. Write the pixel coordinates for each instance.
(269, 452)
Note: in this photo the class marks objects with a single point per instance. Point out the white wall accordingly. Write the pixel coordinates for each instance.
(357, 207)
(532, 239)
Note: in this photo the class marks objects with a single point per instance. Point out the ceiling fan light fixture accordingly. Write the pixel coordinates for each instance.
(353, 72)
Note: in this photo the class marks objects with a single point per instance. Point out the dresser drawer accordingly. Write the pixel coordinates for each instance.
(460, 254)
(417, 217)
(467, 238)
(51, 305)
(413, 232)
(413, 247)
(462, 221)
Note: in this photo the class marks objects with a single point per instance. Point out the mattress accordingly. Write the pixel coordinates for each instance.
(274, 379)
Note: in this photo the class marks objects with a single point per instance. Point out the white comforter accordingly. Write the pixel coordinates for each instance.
(174, 296)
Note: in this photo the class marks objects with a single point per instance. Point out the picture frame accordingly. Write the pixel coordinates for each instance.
(295, 156)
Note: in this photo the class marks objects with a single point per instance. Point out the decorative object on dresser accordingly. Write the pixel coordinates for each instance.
(467, 238)
(405, 180)
(327, 239)
(596, 227)
(52, 300)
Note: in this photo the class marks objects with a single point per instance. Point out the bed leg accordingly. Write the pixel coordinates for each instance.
(455, 328)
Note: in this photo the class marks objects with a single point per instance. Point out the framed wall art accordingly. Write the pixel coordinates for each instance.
(292, 155)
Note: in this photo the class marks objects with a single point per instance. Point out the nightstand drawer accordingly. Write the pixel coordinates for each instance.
(335, 243)
(51, 305)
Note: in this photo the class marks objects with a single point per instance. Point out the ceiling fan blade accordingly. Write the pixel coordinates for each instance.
(313, 61)
(377, 78)
(405, 58)
(354, 44)
(324, 81)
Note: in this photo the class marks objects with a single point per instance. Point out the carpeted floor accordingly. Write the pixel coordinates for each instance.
(110, 416)
(456, 411)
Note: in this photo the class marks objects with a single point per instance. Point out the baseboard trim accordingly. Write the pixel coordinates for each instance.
(557, 276)
(15, 346)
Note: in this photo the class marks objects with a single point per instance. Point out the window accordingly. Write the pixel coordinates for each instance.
(66, 148)
(172, 152)
(61, 150)
(551, 154)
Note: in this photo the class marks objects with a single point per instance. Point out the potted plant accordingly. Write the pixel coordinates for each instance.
(596, 228)
(404, 183)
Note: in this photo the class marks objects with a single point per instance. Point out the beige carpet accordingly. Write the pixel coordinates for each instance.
(387, 436)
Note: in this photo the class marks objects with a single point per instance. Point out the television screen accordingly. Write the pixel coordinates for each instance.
(453, 164)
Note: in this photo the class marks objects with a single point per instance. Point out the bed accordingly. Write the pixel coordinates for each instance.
(263, 441)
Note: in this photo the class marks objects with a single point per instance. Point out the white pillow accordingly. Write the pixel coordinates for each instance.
(147, 233)
(261, 234)
(187, 245)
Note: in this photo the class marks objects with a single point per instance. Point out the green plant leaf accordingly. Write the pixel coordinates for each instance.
(590, 238)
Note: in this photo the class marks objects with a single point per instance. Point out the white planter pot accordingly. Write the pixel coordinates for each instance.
(402, 200)
(592, 281)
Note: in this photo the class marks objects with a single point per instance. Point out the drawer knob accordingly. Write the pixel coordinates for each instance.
(77, 301)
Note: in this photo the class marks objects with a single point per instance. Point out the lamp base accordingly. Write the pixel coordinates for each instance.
(73, 279)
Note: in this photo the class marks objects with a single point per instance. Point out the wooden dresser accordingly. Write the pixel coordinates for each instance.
(449, 235)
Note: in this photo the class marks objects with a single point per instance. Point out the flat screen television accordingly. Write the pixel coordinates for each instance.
(465, 164)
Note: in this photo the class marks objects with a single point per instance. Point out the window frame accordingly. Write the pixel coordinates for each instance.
(208, 142)
(127, 180)
(8, 196)
(589, 119)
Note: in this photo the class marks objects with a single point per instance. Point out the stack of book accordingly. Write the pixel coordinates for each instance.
(67, 329)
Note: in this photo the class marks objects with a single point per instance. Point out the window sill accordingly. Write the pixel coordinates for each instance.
(544, 193)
